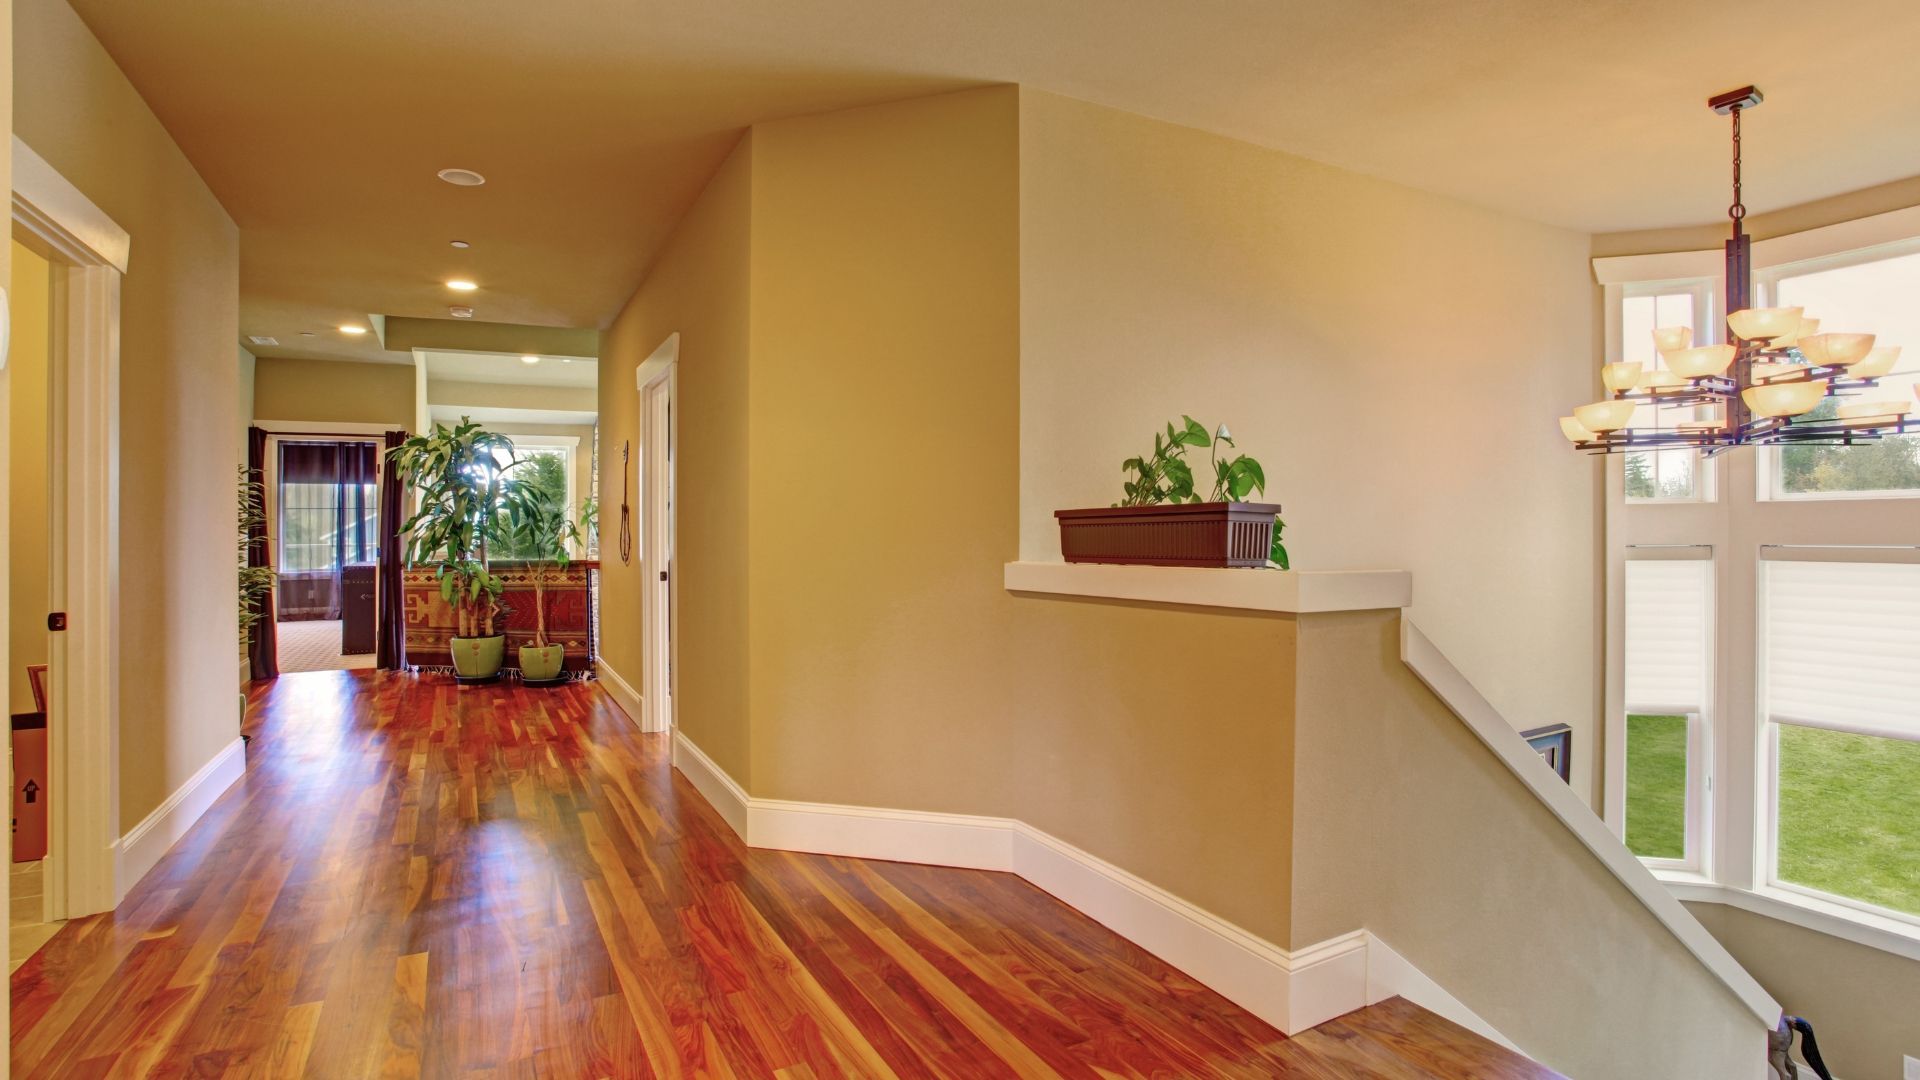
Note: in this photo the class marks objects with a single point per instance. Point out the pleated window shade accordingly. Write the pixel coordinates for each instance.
(1842, 646)
(1669, 605)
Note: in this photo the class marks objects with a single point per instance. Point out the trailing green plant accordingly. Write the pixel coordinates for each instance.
(256, 582)
(1165, 476)
(535, 521)
(457, 475)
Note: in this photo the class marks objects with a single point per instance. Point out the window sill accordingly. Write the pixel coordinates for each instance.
(1836, 920)
(1297, 591)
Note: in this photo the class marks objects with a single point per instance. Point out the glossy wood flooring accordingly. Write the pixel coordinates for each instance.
(419, 879)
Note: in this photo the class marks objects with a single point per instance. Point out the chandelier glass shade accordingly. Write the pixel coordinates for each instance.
(1765, 384)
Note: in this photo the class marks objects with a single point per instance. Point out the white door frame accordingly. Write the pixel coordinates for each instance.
(657, 381)
(89, 252)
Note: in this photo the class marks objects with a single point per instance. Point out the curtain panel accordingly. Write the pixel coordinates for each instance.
(263, 651)
(391, 651)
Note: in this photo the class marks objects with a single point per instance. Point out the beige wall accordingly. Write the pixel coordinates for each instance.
(697, 288)
(1408, 826)
(179, 324)
(30, 304)
(1394, 359)
(477, 395)
(333, 391)
(1864, 1003)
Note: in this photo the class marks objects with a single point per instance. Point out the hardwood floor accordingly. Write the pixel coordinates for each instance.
(419, 879)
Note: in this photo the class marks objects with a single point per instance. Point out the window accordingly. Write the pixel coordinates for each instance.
(1841, 677)
(1870, 296)
(545, 467)
(1667, 475)
(1762, 741)
(329, 505)
(1669, 609)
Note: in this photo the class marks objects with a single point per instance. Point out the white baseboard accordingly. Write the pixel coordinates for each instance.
(1291, 989)
(620, 690)
(712, 782)
(143, 846)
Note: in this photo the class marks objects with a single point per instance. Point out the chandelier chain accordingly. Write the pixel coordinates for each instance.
(1738, 210)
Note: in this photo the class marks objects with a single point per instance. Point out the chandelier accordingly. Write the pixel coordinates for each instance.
(1765, 386)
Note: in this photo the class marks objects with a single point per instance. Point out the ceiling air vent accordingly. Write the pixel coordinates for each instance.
(256, 339)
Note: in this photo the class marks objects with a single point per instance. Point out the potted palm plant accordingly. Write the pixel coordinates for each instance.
(457, 476)
(534, 522)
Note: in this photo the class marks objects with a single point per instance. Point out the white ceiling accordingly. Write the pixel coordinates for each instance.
(320, 125)
(510, 370)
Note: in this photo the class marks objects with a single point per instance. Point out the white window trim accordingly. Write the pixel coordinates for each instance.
(1736, 859)
(1706, 317)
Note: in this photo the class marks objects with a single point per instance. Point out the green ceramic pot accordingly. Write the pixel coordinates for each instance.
(540, 665)
(478, 657)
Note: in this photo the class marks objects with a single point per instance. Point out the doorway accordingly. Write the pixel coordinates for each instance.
(85, 254)
(29, 547)
(656, 380)
(323, 506)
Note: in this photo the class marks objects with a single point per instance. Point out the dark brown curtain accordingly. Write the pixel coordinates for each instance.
(392, 649)
(263, 658)
(325, 511)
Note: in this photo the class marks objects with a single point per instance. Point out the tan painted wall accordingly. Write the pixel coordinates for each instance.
(698, 288)
(1864, 1003)
(178, 383)
(1408, 826)
(1395, 359)
(333, 391)
(477, 395)
(30, 305)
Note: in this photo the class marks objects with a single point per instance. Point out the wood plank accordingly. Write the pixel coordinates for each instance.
(420, 879)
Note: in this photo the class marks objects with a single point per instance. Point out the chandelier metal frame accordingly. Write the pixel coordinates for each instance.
(1739, 425)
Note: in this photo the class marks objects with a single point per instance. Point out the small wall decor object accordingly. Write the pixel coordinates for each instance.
(1554, 744)
(1164, 521)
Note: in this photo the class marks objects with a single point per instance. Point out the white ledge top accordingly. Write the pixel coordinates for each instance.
(1297, 591)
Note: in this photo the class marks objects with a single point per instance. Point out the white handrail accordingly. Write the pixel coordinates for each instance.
(1452, 688)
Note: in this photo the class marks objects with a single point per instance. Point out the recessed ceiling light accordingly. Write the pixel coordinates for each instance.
(529, 359)
(261, 339)
(306, 333)
(460, 243)
(353, 329)
(462, 286)
(460, 312)
(566, 359)
(461, 177)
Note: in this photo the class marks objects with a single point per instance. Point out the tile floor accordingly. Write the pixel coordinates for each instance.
(27, 931)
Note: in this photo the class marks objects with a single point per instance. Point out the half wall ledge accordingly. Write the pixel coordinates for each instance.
(1303, 592)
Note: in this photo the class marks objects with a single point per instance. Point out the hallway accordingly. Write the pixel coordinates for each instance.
(414, 879)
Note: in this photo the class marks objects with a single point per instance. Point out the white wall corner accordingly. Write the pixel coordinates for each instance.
(145, 844)
(712, 782)
(1388, 974)
(622, 691)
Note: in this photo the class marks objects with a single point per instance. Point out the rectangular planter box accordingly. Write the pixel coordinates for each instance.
(1184, 534)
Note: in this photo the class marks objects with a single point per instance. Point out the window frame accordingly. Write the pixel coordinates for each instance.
(1737, 864)
(1766, 284)
(1705, 294)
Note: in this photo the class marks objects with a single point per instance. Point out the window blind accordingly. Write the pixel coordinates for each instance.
(1669, 603)
(1842, 646)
